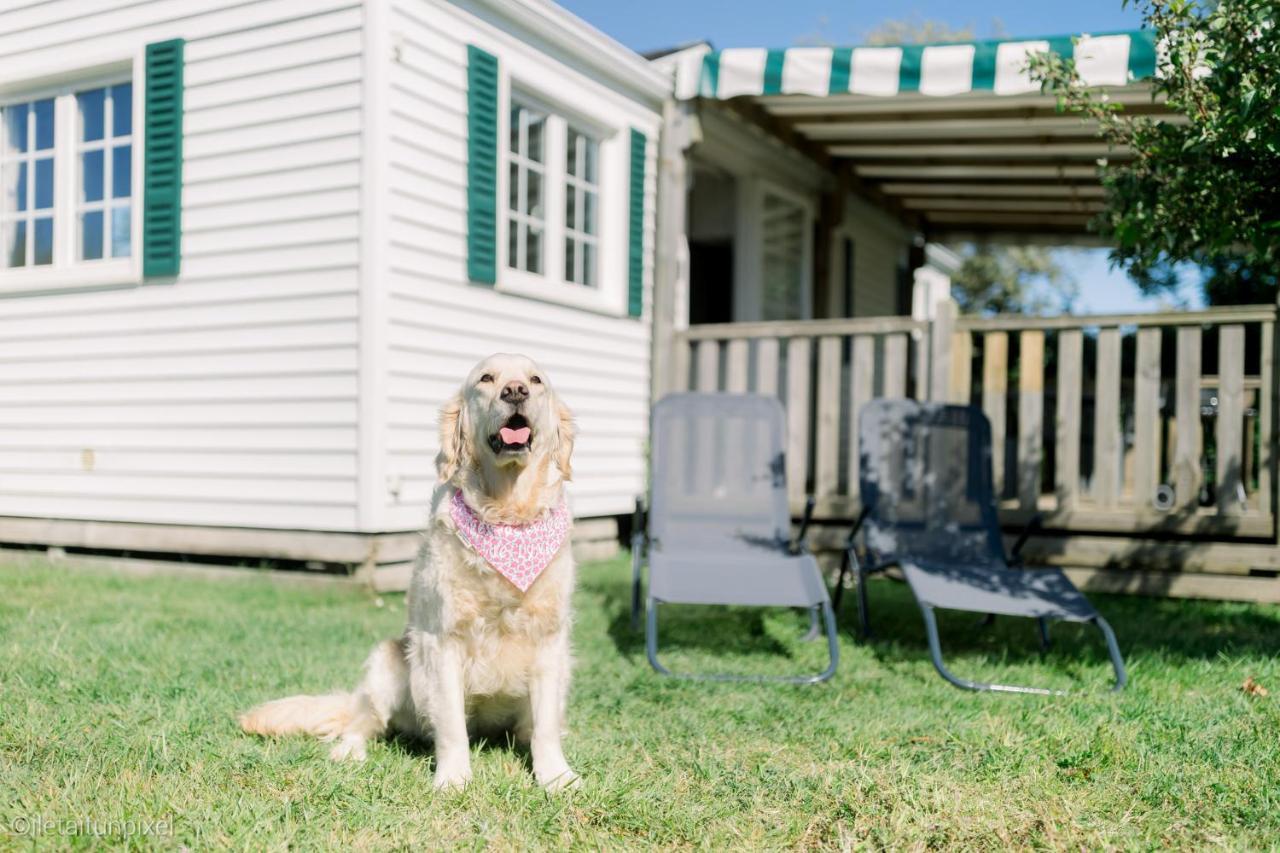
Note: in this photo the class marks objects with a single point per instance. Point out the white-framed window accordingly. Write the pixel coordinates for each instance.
(566, 203)
(69, 183)
(582, 208)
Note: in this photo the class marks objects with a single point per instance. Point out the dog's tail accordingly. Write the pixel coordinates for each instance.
(327, 717)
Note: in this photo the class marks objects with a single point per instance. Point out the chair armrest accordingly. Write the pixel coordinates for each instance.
(1033, 525)
(801, 544)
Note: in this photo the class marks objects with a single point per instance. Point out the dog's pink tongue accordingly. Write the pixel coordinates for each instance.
(514, 436)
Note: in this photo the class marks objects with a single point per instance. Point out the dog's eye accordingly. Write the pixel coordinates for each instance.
(536, 380)
(488, 377)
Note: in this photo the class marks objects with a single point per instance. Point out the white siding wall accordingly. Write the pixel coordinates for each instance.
(879, 245)
(228, 397)
(439, 325)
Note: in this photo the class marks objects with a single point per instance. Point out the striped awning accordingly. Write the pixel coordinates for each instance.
(994, 66)
(956, 139)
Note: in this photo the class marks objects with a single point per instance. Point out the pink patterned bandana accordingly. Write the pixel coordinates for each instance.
(518, 552)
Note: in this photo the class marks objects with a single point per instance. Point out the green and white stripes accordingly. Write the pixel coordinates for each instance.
(999, 67)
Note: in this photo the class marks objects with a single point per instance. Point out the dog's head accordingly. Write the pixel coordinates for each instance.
(506, 415)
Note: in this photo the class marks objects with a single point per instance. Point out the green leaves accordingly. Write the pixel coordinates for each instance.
(1204, 190)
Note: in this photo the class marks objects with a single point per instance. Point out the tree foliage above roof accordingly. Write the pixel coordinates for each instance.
(1203, 190)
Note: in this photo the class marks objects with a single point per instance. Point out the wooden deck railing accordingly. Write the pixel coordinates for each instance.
(1132, 424)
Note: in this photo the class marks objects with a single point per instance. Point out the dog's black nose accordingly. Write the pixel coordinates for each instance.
(515, 392)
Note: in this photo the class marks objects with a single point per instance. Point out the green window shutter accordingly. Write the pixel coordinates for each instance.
(162, 161)
(482, 166)
(635, 219)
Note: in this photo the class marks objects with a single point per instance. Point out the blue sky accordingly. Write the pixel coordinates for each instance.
(652, 24)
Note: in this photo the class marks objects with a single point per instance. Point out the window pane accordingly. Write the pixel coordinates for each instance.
(570, 207)
(514, 127)
(571, 152)
(44, 124)
(44, 241)
(569, 246)
(513, 243)
(589, 264)
(592, 149)
(783, 267)
(120, 243)
(533, 193)
(92, 112)
(91, 236)
(44, 183)
(589, 212)
(121, 171)
(13, 179)
(122, 109)
(15, 129)
(537, 125)
(15, 244)
(533, 250)
(91, 172)
(513, 187)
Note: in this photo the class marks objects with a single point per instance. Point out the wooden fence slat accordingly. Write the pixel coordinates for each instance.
(826, 463)
(1186, 463)
(1108, 443)
(961, 368)
(1230, 420)
(941, 331)
(1146, 419)
(1264, 418)
(1066, 481)
(767, 367)
(680, 364)
(995, 383)
(798, 376)
(735, 366)
(708, 366)
(895, 366)
(922, 367)
(1030, 417)
(861, 378)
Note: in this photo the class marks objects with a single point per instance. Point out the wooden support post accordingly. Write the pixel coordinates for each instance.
(826, 463)
(961, 381)
(1230, 420)
(1067, 457)
(861, 378)
(995, 386)
(1266, 410)
(1146, 419)
(799, 372)
(670, 229)
(1030, 417)
(1186, 465)
(1108, 464)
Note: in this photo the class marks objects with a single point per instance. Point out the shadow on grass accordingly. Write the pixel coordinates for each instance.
(1180, 628)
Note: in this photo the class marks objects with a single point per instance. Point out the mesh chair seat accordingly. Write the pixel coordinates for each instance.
(1039, 593)
(763, 580)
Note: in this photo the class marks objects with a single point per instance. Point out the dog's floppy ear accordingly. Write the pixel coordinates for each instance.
(452, 439)
(565, 431)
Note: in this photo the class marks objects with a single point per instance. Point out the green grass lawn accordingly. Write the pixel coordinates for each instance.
(118, 697)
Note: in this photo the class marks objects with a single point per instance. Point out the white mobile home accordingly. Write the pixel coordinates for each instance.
(250, 248)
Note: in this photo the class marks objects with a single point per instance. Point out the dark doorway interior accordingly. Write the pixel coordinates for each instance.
(710, 281)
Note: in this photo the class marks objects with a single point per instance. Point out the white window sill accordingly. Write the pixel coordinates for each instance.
(560, 292)
(88, 276)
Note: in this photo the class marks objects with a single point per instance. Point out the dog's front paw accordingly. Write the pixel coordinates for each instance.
(565, 780)
(451, 776)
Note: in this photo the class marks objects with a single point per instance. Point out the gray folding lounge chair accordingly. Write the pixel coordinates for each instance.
(929, 509)
(719, 524)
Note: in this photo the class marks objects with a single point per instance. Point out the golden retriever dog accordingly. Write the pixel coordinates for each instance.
(479, 654)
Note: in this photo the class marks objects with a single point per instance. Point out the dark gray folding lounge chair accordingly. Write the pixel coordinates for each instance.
(718, 527)
(929, 509)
